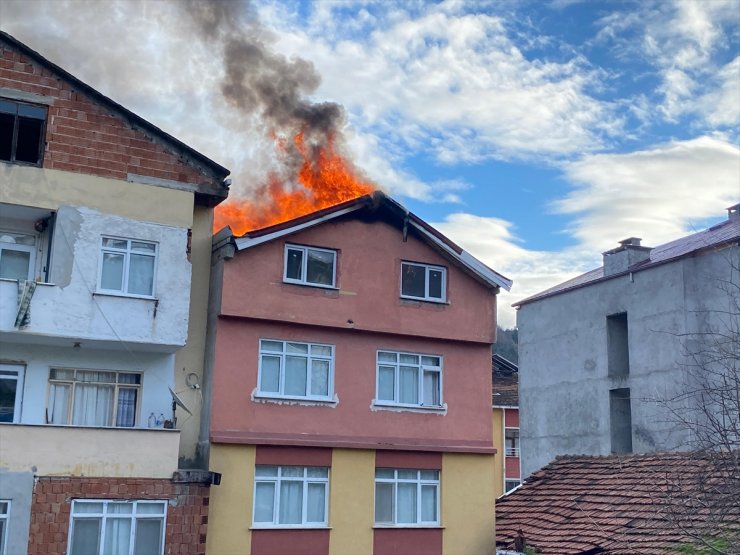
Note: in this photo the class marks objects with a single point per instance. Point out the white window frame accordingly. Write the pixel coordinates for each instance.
(104, 516)
(427, 269)
(127, 252)
(397, 377)
(419, 482)
(277, 481)
(5, 519)
(309, 356)
(304, 266)
(17, 247)
(511, 451)
(6, 373)
(506, 482)
(71, 383)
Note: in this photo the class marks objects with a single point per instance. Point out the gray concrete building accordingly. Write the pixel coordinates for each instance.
(601, 355)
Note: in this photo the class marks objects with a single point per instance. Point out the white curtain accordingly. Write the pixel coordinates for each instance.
(291, 502)
(295, 375)
(270, 374)
(320, 377)
(316, 503)
(85, 536)
(58, 404)
(126, 411)
(429, 503)
(93, 405)
(406, 502)
(117, 536)
(431, 388)
(141, 274)
(409, 385)
(386, 383)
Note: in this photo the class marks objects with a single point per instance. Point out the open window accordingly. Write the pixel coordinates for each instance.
(22, 132)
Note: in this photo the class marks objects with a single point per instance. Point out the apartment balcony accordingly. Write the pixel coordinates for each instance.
(89, 451)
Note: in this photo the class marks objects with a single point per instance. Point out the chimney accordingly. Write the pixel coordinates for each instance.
(625, 256)
(733, 212)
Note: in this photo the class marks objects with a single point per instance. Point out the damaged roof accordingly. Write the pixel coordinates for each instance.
(717, 236)
(382, 206)
(621, 504)
(505, 390)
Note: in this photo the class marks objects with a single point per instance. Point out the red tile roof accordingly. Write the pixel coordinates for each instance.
(622, 504)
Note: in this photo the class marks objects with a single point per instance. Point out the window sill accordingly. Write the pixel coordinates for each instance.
(408, 526)
(124, 295)
(312, 285)
(380, 405)
(287, 400)
(39, 283)
(413, 301)
(289, 527)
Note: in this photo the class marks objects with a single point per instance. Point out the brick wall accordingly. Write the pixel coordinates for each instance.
(187, 512)
(83, 136)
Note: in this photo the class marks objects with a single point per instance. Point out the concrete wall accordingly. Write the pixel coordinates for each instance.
(564, 384)
(17, 487)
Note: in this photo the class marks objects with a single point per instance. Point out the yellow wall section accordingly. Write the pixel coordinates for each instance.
(53, 188)
(351, 502)
(230, 511)
(467, 504)
(498, 458)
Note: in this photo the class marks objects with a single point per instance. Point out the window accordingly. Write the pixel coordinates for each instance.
(21, 132)
(101, 527)
(310, 266)
(406, 497)
(11, 391)
(17, 255)
(127, 266)
(511, 484)
(617, 343)
(620, 420)
(4, 514)
(296, 370)
(512, 442)
(423, 282)
(290, 496)
(93, 397)
(409, 379)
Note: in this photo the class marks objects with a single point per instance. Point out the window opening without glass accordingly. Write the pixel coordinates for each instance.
(93, 397)
(409, 379)
(406, 497)
(291, 496)
(103, 527)
(423, 282)
(296, 370)
(310, 266)
(21, 132)
(4, 517)
(17, 255)
(11, 392)
(127, 266)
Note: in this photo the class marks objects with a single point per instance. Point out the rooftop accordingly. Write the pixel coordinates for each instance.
(505, 392)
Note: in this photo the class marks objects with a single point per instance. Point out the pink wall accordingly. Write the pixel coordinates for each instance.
(511, 417)
(512, 467)
(409, 541)
(368, 276)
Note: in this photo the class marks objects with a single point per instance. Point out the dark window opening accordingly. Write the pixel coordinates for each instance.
(617, 341)
(620, 414)
(21, 132)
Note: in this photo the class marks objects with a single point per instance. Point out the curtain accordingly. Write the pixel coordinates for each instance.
(406, 510)
(429, 503)
(295, 375)
(386, 383)
(148, 539)
(126, 412)
(141, 274)
(270, 374)
(58, 404)
(117, 536)
(85, 536)
(320, 377)
(316, 503)
(431, 388)
(111, 277)
(291, 502)
(409, 385)
(93, 405)
(263, 502)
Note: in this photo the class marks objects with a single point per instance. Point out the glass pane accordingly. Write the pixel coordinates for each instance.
(295, 376)
(387, 357)
(410, 359)
(126, 410)
(7, 122)
(7, 399)
(430, 361)
(88, 507)
(59, 374)
(296, 348)
(112, 276)
(28, 141)
(412, 280)
(408, 474)
(385, 473)
(275, 346)
(316, 503)
(150, 508)
(294, 265)
(435, 284)
(148, 540)
(270, 377)
(263, 470)
(320, 269)
(139, 246)
(120, 508)
(141, 275)
(14, 264)
(93, 405)
(383, 502)
(58, 410)
(115, 243)
(317, 472)
(293, 471)
(263, 502)
(129, 378)
(321, 350)
(92, 376)
(408, 387)
(17, 238)
(291, 502)
(117, 536)
(8, 107)
(406, 511)
(431, 389)
(429, 503)
(430, 474)
(85, 536)
(3, 508)
(386, 383)
(320, 378)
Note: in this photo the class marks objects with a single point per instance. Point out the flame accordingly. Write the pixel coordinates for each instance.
(325, 178)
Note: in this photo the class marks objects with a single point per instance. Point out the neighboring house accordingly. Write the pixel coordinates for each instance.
(622, 504)
(599, 353)
(505, 401)
(105, 240)
(350, 387)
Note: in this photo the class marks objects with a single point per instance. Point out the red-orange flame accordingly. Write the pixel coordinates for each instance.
(326, 177)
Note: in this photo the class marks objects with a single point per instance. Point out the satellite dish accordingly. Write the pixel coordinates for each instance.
(176, 401)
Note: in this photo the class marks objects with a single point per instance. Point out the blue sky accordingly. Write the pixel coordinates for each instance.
(535, 134)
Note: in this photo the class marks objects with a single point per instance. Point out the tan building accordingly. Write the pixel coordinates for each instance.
(105, 239)
(505, 401)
